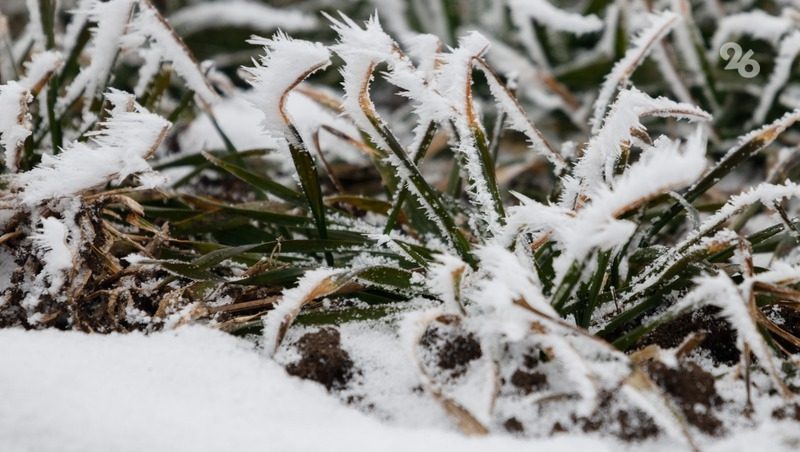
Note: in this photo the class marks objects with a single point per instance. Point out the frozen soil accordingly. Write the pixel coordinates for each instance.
(367, 365)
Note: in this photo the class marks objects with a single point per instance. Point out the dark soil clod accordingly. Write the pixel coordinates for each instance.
(720, 339)
(529, 382)
(513, 425)
(322, 359)
(453, 348)
(693, 390)
(627, 425)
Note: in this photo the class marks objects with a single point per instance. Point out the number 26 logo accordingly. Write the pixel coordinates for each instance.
(744, 64)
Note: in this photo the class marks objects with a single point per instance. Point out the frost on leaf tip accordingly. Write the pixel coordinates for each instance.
(641, 46)
(362, 49)
(287, 62)
(596, 167)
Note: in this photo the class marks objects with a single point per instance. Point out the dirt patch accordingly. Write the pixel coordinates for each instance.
(626, 424)
(513, 425)
(692, 388)
(788, 319)
(787, 412)
(322, 359)
(529, 382)
(720, 339)
(451, 347)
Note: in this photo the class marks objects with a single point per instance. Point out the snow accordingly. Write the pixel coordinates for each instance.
(190, 389)
(237, 13)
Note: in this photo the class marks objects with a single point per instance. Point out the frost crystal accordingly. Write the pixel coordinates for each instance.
(287, 63)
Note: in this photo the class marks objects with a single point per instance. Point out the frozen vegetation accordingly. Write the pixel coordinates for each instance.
(399, 225)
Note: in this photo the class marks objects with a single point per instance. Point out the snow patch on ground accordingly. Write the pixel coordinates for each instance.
(192, 389)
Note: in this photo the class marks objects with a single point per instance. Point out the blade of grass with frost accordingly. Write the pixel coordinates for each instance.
(112, 19)
(445, 278)
(688, 42)
(544, 13)
(538, 87)
(748, 146)
(641, 46)
(454, 80)
(78, 21)
(527, 36)
(36, 24)
(451, 103)
(361, 50)
(596, 226)
(402, 193)
(517, 119)
(239, 14)
(756, 24)
(286, 64)
(15, 120)
(789, 49)
(256, 180)
(118, 150)
(149, 23)
(596, 167)
(664, 265)
(313, 284)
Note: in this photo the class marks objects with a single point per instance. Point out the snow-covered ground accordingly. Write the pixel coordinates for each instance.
(194, 389)
(202, 390)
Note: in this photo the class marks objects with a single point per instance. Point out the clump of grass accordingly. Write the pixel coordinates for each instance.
(587, 218)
